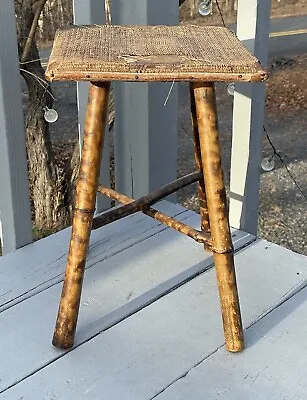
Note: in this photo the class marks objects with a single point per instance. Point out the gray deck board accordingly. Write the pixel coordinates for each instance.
(273, 367)
(133, 266)
(40, 265)
(148, 353)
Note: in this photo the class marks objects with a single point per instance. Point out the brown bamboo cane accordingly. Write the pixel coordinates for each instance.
(198, 236)
(218, 216)
(146, 201)
(86, 191)
(203, 208)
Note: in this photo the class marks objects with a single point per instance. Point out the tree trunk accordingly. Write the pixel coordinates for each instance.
(230, 7)
(49, 185)
(193, 6)
(47, 182)
(56, 14)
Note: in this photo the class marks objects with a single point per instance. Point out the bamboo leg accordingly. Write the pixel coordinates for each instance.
(217, 207)
(83, 215)
(204, 217)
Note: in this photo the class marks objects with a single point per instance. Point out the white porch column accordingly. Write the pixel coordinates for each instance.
(146, 130)
(253, 29)
(89, 12)
(15, 214)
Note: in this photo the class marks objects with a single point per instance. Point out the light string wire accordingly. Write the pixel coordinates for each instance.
(42, 82)
(172, 84)
(220, 12)
(276, 153)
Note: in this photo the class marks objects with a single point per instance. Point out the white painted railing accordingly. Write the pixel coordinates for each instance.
(253, 24)
(15, 216)
(146, 131)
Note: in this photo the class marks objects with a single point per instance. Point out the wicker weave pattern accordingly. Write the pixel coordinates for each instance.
(151, 53)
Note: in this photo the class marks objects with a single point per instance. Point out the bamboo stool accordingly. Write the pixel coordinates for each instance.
(199, 55)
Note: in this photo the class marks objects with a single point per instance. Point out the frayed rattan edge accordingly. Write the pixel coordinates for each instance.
(260, 76)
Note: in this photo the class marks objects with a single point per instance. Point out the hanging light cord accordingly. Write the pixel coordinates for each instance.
(275, 152)
(220, 12)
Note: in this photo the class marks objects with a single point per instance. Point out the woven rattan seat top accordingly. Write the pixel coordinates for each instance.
(151, 53)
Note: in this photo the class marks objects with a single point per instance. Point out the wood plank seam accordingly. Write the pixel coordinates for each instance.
(290, 295)
(244, 266)
(59, 277)
(186, 373)
(115, 320)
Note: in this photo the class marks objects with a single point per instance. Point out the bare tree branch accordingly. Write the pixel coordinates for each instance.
(107, 6)
(39, 7)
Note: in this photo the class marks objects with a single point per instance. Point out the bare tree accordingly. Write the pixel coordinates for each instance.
(54, 15)
(230, 6)
(193, 7)
(50, 184)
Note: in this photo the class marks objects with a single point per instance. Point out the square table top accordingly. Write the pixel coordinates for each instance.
(151, 53)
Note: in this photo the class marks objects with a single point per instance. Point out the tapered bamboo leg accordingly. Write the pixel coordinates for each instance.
(217, 207)
(204, 217)
(86, 191)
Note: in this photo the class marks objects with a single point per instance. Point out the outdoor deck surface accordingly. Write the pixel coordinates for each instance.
(150, 324)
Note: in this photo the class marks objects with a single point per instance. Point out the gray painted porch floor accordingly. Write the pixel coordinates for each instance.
(149, 324)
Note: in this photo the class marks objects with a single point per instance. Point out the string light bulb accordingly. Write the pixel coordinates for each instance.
(231, 89)
(268, 163)
(50, 115)
(205, 8)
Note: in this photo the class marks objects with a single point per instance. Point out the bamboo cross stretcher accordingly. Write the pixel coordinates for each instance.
(143, 204)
